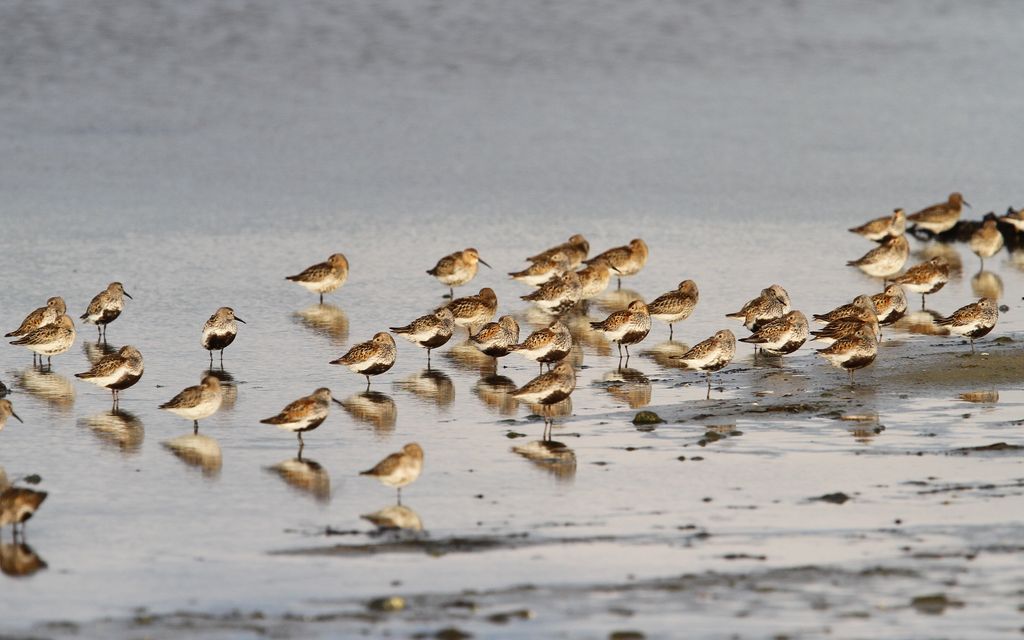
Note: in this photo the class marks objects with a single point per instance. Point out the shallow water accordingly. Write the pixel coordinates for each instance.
(200, 156)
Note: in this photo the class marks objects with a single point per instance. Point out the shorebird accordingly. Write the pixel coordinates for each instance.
(50, 340)
(885, 259)
(594, 279)
(399, 469)
(54, 309)
(7, 410)
(105, 307)
(456, 269)
(197, 403)
(986, 241)
(626, 327)
(626, 260)
(575, 250)
(972, 321)
(925, 278)
(220, 331)
(546, 345)
(849, 325)
(860, 306)
(939, 217)
(543, 270)
(890, 305)
(117, 371)
(497, 339)
(430, 331)
(675, 306)
(711, 354)
(323, 277)
(474, 310)
(305, 414)
(547, 389)
(1015, 218)
(881, 228)
(372, 357)
(771, 304)
(17, 506)
(782, 336)
(559, 294)
(852, 352)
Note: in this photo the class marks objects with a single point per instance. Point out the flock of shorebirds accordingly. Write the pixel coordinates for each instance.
(564, 277)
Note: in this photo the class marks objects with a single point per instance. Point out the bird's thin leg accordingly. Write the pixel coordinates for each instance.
(670, 331)
(399, 496)
(708, 396)
(619, 345)
(428, 358)
(620, 283)
(972, 345)
(922, 301)
(211, 358)
(195, 427)
(321, 298)
(221, 358)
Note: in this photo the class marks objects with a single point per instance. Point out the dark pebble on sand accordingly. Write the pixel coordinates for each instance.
(834, 498)
(646, 418)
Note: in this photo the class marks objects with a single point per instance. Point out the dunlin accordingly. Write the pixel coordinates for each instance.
(856, 309)
(305, 414)
(939, 217)
(54, 309)
(50, 340)
(116, 372)
(430, 331)
(1015, 218)
(543, 270)
(890, 305)
(771, 304)
(473, 311)
(925, 278)
(399, 469)
(220, 331)
(18, 505)
(626, 260)
(372, 357)
(105, 307)
(852, 352)
(881, 228)
(576, 250)
(546, 345)
(497, 339)
(986, 241)
(559, 294)
(849, 325)
(626, 327)
(6, 411)
(972, 321)
(782, 336)
(457, 269)
(711, 354)
(198, 402)
(675, 306)
(594, 279)
(885, 259)
(548, 389)
(323, 277)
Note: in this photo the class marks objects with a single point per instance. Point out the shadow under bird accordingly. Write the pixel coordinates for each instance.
(50, 340)
(371, 358)
(6, 411)
(456, 269)
(972, 321)
(305, 414)
(430, 331)
(220, 331)
(676, 305)
(575, 250)
(116, 372)
(106, 307)
(881, 228)
(626, 327)
(711, 354)
(323, 277)
(548, 389)
(941, 217)
(546, 345)
(627, 260)
(399, 469)
(198, 402)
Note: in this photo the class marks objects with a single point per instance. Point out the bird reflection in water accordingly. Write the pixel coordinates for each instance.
(864, 427)
(666, 354)
(431, 385)
(552, 456)
(396, 516)
(228, 388)
(325, 320)
(986, 284)
(117, 428)
(373, 408)
(496, 392)
(18, 560)
(630, 386)
(990, 396)
(616, 300)
(548, 412)
(923, 322)
(49, 386)
(948, 252)
(95, 351)
(198, 451)
(467, 357)
(583, 335)
(305, 476)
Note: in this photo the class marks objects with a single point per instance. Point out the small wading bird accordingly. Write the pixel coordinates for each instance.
(372, 357)
(220, 331)
(399, 469)
(198, 402)
(710, 355)
(105, 308)
(305, 414)
(456, 269)
(323, 277)
(116, 371)
(548, 389)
